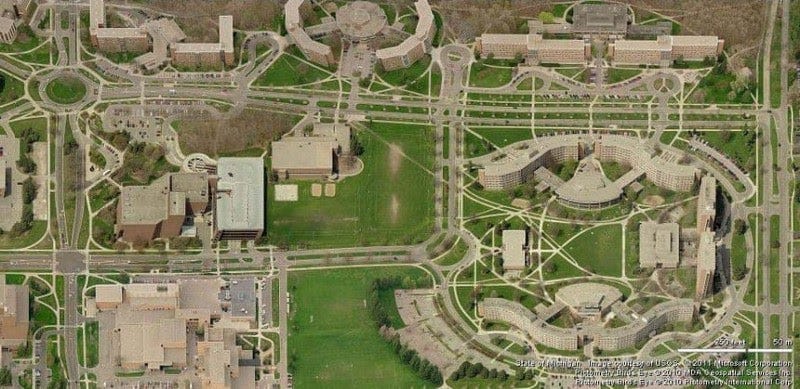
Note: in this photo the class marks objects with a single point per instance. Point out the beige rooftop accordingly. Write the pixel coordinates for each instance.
(14, 317)
(361, 19)
(130, 32)
(302, 153)
(144, 204)
(588, 295)
(659, 244)
(225, 43)
(514, 242)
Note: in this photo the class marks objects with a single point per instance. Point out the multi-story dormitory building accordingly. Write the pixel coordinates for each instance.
(315, 51)
(515, 164)
(162, 36)
(538, 330)
(665, 49)
(414, 47)
(534, 47)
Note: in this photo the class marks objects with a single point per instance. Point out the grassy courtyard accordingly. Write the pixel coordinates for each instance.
(390, 202)
(10, 88)
(489, 76)
(502, 137)
(66, 90)
(288, 70)
(599, 250)
(333, 342)
(615, 75)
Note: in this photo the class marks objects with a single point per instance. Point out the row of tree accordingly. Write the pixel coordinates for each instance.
(26, 222)
(379, 313)
(470, 370)
(28, 137)
(410, 357)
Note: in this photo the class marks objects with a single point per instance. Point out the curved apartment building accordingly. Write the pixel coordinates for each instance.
(414, 47)
(314, 51)
(611, 339)
(516, 163)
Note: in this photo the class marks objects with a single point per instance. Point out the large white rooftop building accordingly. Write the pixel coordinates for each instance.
(239, 210)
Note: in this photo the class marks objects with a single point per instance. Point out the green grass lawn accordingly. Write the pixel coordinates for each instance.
(455, 254)
(775, 66)
(15, 279)
(614, 170)
(389, 202)
(738, 145)
(599, 249)
(26, 40)
(91, 332)
(774, 259)
(38, 229)
(716, 89)
(558, 267)
(489, 76)
(10, 88)
(474, 146)
(615, 75)
(408, 75)
(121, 57)
(288, 70)
(66, 90)
(332, 340)
(39, 56)
(501, 137)
(570, 72)
(559, 9)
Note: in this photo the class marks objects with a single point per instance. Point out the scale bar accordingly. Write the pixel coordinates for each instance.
(735, 350)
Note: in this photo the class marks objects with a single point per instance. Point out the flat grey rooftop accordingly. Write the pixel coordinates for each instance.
(240, 194)
(243, 297)
(600, 18)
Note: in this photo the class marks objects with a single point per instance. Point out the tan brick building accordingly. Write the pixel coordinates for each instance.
(159, 210)
(152, 322)
(665, 49)
(641, 52)
(311, 156)
(120, 40)
(314, 51)
(534, 47)
(114, 40)
(696, 47)
(401, 56)
(610, 339)
(208, 54)
(413, 48)
(706, 204)
(659, 245)
(3, 177)
(515, 249)
(8, 30)
(14, 318)
(12, 12)
(706, 265)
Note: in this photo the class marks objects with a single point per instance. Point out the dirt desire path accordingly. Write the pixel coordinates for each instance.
(395, 208)
(395, 158)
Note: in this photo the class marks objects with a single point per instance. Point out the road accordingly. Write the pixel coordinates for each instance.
(71, 321)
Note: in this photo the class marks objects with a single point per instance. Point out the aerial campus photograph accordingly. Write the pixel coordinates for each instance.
(399, 193)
